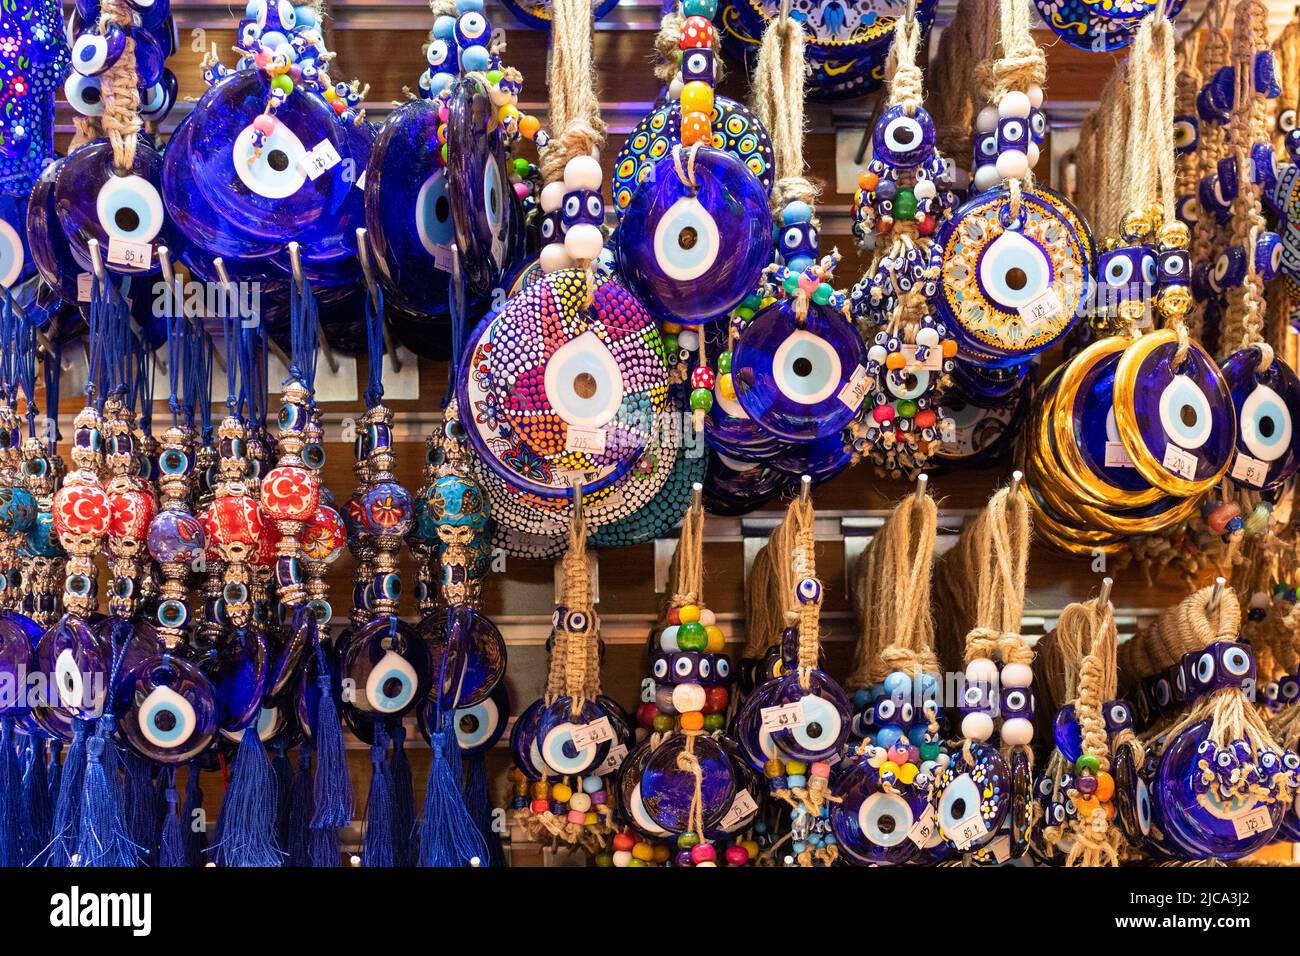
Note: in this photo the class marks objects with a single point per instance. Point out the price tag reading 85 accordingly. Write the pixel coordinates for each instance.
(782, 716)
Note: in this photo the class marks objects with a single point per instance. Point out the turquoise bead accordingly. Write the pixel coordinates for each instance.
(591, 785)
(796, 780)
(796, 211)
(898, 684)
(700, 8)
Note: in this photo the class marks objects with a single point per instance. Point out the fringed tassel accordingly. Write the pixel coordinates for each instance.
(67, 803)
(448, 835)
(246, 826)
(478, 801)
(105, 839)
(406, 846)
(142, 816)
(38, 808)
(298, 843)
(332, 790)
(54, 773)
(193, 821)
(324, 848)
(377, 847)
(10, 796)
(282, 769)
(172, 851)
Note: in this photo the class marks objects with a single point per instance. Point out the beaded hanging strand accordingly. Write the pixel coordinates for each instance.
(42, 471)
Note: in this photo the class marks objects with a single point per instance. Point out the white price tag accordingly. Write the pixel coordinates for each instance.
(782, 716)
(596, 732)
(361, 180)
(442, 257)
(1253, 822)
(947, 431)
(613, 760)
(585, 441)
(1250, 471)
(1042, 310)
(740, 810)
(1180, 462)
(320, 159)
(923, 828)
(84, 283)
(1000, 849)
(1117, 455)
(131, 255)
(855, 389)
(933, 358)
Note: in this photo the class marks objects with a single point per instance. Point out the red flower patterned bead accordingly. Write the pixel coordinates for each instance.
(290, 493)
(132, 510)
(81, 510)
(264, 556)
(235, 522)
(325, 536)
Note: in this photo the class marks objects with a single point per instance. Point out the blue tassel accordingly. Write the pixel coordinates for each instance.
(478, 801)
(300, 810)
(332, 791)
(324, 849)
(10, 796)
(377, 847)
(246, 826)
(142, 818)
(67, 805)
(196, 836)
(406, 842)
(54, 771)
(172, 851)
(105, 840)
(38, 811)
(283, 771)
(448, 835)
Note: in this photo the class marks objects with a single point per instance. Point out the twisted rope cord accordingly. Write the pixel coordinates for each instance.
(779, 103)
(574, 109)
(905, 80)
(121, 98)
(1210, 146)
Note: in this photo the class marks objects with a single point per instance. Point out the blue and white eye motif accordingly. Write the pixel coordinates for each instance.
(722, 668)
(807, 369)
(1185, 413)
(166, 718)
(1268, 255)
(686, 240)
(885, 818)
(907, 384)
(1174, 268)
(68, 680)
(960, 800)
(885, 711)
(1013, 133)
(433, 221)
(129, 208)
(12, 255)
(476, 725)
(798, 239)
(1037, 125)
(660, 668)
(471, 29)
(83, 94)
(391, 685)
(684, 667)
(986, 150)
(697, 64)
(809, 591)
(821, 727)
(1265, 423)
(442, 56)
(94, 52)
(1014, 271)
(1205, 668)
(249, 33)
(902, 140)
(1186, 133)
(583, 205)
(277, 171)
(560, 753)
(1117, 716)
(1237, 660)
(493, 195)
(583, 382)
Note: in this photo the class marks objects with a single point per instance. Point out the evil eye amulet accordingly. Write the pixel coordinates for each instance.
(872, 824)
(667, 790)
(173, 713)
(825, 714)
(388, 662)
(1267, 405)
(1177, 423)
(972, 799)
(556, 744)
(17, 655)
(479, 727)
(695, 253)
(900, 139)
(466, 653)
(77, 664)
(1222, 664)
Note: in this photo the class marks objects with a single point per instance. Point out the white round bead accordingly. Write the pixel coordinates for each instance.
(929, 337)
(675, 88)
(977, 726)
(583, 172)
(1013, 103)
(688, 339)
(1032, 153)
(552, 197)
(878, 354)
(1012, 164)
(706, 863)
(1017, 675)
(584, 241)
(688, 697)
(981, 668)
(1036, 96)
(580, 801)
(1016, 732)
(986, 177)
(986, 121)
(554, 257)
(707, 617)
(925, 189)
(622, 857)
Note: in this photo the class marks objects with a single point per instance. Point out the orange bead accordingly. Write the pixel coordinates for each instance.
(692, 720)
(696, 129)
(868, 181)
(1110, 810)
(1105, 786)
(949, 348)
(895, 360)
(697, 97)
(1086, 805)
(528, 126)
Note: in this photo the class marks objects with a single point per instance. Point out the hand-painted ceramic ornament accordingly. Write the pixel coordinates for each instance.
(796, 379)
(1267, 403)
(978, 431)
(1090, 27)
(836, 30)
(971, 799)
(736, 130)
(537, 13)
(1012, 287)
(553, 387)
(873, 823)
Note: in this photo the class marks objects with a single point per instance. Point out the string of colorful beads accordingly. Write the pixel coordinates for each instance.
(692, 87)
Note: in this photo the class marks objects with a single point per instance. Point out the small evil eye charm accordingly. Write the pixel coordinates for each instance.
(576, 622)
(96, 50)
(1286, 121)
(698, 64)
(1229, 269)
(1228, 179)
(1037, 126)
(552, 227)
(1207, 110)
(1268, 255)
(1128, 272)
(1263, 166)
(83, 94)
(1292, 143)
(582, 206)
(798, 243)
(1013, 134)
(1016, 702)
(978, 697)
(986, 150)
(1212, 198)
(1173, 267)
(1117, 715)
(1186, 133)
(443, 57)
(1267, 82)
(1288, 690)
(682, 667)
(903, 139)
(1223, 89)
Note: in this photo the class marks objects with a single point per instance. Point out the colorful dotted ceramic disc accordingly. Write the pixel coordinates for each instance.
(1086, 26)
(835, 28)
(537, 13)
(735, 129)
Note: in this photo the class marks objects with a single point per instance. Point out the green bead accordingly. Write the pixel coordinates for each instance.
(635, 862)
(753, 301)
(604, 859)
(714, 722)
(442, 151)
(670, 344)
(700, 8)
(663, 723)
(906, 408)
(494, 77)
(724, 362)
(692, 636)
(791, 283)
(1087, 764)
(521, 167)
(283, 83)
(905, 205)
(822, 294)
(687, 840)
(744, 313)
(929, 751)
(701, 399)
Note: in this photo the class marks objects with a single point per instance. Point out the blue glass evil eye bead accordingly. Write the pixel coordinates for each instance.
(901, 139)
(173, 713)
(1266, 405)
(694, 253)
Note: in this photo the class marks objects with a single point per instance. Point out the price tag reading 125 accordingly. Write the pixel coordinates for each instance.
(782, 716)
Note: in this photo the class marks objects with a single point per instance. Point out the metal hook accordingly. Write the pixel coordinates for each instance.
(96, 260)
(295, 265)
(372, 289)
(921, 481)
(1104, 598)
(697, 495)
(1016, 478)
(577, 500)
(805, 488)
(1216, 593)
